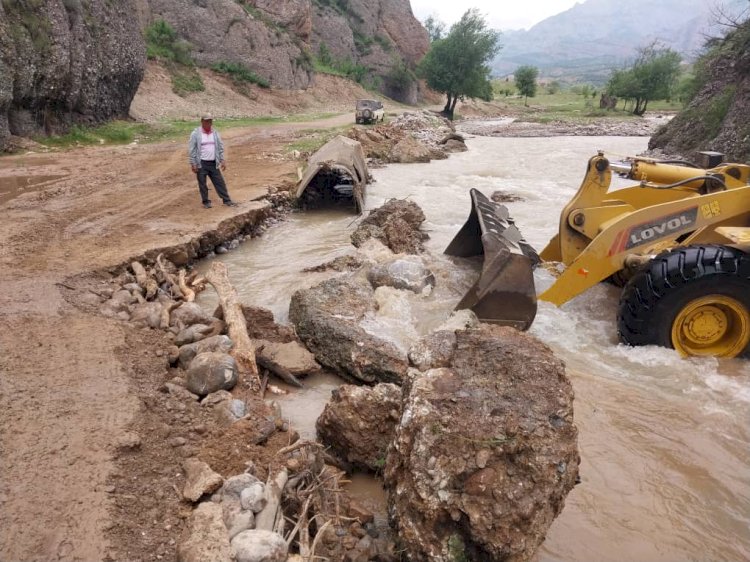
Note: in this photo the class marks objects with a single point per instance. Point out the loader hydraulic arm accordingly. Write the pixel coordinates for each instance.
(598, 230)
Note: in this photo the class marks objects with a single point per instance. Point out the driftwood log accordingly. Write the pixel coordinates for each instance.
(266, 519)
(243, 350)
(149, 284)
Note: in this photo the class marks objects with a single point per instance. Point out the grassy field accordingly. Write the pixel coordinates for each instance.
(125, 132)
(567, 105)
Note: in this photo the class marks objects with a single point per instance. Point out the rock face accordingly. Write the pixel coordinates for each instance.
(396, 224)
(65, 62)
(359, 423)
(277, 38)
(372, 33)
(485, 451)
(327, 319)
(717, 117)
(226, 31)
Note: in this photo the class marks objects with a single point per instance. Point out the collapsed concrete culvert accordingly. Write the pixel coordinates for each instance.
(485, 451)
(359, 423)
(397, 224)
(336, 175)
(327, 319)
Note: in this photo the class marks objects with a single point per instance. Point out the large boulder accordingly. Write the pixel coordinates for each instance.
(327, 318)
(211, 371)
(291, 357)
(359, 423)
(397, 224)
(485, 451)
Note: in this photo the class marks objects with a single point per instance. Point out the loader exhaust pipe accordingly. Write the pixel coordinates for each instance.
(505, 292)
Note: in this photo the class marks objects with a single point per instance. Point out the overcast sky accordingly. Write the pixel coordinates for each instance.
(507, 14)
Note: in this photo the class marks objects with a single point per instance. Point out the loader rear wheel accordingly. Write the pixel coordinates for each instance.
(694, 299)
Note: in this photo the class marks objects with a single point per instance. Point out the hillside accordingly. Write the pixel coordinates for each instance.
(68, 62)
(718, 117)
(585, 42)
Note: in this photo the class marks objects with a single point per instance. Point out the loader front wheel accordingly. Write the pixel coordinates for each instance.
(694, 299)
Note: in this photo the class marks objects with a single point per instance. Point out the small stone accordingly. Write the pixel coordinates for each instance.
(241, 521)
(177, 441)
(109, 489)
(253, 498)
(199, 479)
(210, 372)
(482, 457)
(259, 546)
(128, 441)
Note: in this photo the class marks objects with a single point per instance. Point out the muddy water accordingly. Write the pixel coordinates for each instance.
(13, 186)
(664, 441)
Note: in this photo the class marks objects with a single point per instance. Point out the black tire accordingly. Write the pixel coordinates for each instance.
(618, 278)
(653, 298)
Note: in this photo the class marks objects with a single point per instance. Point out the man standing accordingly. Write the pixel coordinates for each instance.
(206, 154)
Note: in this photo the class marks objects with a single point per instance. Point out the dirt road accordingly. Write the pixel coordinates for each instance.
(67, 397)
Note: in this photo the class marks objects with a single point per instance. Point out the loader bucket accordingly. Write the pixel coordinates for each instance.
(504, 293)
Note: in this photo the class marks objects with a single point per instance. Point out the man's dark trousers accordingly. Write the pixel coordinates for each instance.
(208, 168)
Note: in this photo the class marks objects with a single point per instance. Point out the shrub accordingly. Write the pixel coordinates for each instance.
(162, 43)
(240, 73)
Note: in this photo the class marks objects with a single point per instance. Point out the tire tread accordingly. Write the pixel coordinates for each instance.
(665, 275)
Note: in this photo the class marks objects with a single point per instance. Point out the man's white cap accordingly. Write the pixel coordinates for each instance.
(207, 117)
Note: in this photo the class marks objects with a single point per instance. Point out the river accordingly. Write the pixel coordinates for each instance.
(665, 441)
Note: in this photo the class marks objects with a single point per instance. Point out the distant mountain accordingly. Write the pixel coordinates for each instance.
(585, 42)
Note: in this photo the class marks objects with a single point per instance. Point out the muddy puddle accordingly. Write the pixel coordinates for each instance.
(664, 441)
(14, 186)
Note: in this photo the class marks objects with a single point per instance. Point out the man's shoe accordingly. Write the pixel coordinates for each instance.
(230, 203)
(207, 205)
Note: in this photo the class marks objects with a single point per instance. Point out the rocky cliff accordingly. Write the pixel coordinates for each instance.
(64, 62)
(278, 39)
(718, 117)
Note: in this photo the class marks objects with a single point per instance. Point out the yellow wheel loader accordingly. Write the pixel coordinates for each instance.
(679, 242)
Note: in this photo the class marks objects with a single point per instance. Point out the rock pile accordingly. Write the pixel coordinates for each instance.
(397, 224)
(415, 136)
(482, 449)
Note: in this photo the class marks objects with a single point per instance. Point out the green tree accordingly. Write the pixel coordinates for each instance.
(526, 81)
(457, 65)
(435, 28)
(652, 77)
(553, 87)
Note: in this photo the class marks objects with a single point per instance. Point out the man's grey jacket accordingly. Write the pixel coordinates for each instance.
(194, 147)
